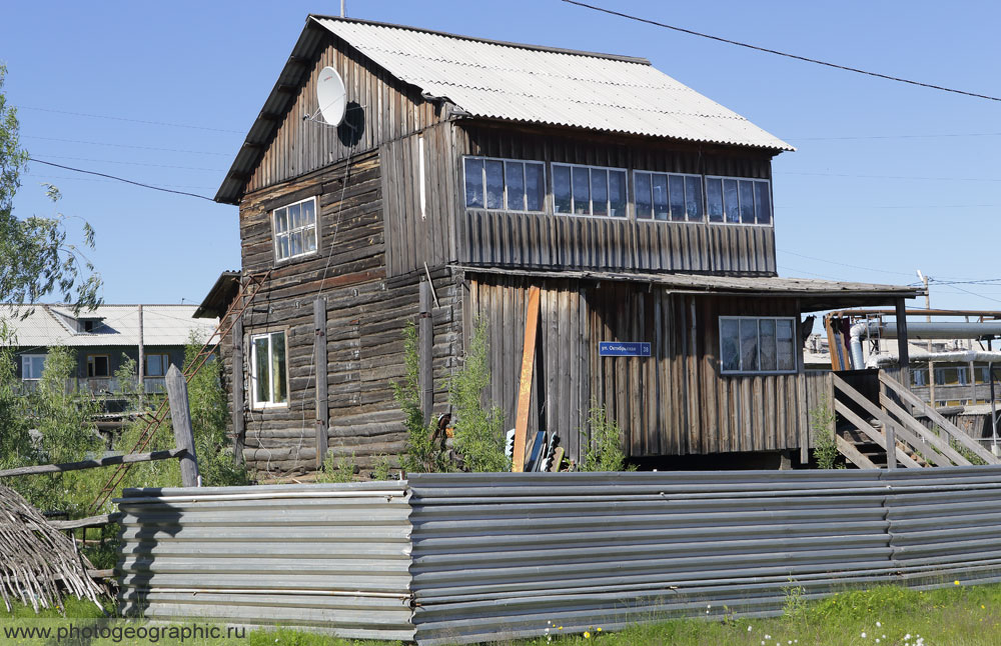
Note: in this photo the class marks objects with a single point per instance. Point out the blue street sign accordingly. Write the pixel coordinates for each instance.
(623, 349)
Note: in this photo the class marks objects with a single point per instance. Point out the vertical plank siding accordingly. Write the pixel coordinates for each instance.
(674, 402)
(501, 238)
(380, 108)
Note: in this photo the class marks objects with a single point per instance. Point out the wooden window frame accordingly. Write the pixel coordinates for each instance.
(483, 178)
(702, 182)
(90, 361)
(275, 235)
(166, 364)
(252, 368)
(628, 205)
(795, 349)
(29, 357)
(705, 198)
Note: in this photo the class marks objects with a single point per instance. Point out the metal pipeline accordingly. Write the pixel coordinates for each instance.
(921, 330)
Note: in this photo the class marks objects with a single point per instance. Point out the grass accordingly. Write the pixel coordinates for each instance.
(956, 616)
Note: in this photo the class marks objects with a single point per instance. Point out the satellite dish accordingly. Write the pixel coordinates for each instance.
(330, 96)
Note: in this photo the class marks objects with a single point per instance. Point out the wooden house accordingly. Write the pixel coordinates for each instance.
(468, 171)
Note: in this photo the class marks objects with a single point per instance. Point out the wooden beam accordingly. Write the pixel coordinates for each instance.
(862, 425)
(128, 458)
(425, 343)
(180, 418)
(947, 426)
(932, 447)
(848, 450)
(905, 359)
(804, 419)
(320, 358)
(92, 521)
(883, 441)
(525, 385)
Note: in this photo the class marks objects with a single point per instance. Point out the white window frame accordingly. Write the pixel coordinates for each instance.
(635, 210)
(270, 403)
(705, 198)
(289, 230)
(740, 371)
(627, 198)
(165, 360)
(483, 180)
(26, 363)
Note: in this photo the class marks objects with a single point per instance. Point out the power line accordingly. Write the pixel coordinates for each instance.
(121, 179)
(914, 207)
(778, 53)
(105, 143)
(832, 262)
(88, 179)
(134, 163)
(149, 123)
(852, 138)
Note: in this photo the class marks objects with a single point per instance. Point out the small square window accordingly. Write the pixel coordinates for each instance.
(98, 365)
(157, 365)
(32, 366)
(295, 229)
(750, 344)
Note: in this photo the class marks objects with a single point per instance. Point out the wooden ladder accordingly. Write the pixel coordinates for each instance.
(244, 297)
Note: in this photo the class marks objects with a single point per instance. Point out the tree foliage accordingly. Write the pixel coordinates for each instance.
(35, 258)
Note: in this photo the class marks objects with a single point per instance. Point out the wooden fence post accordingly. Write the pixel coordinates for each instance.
(425, 344)
(320, 357)
(180, 417)
(237, 384)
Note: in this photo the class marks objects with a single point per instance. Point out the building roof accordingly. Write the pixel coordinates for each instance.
(220, 297)
(111, 325)
(515, 82)
(814, 295)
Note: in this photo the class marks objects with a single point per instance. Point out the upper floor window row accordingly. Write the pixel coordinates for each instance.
(295, 229)
(513, 185)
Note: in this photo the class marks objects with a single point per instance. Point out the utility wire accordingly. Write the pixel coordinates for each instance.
(848, 138)
(120, 179)
(105, 143)
(832, 262)
(778, 53)
(133, 163)
(149, 123)
(937, 179)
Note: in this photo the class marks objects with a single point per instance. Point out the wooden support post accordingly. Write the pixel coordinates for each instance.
(803, 414)
(525, 385)
(237, 384)
(180, 418)
(905, 359)
(425, 342)
(142, 362)
(320, 358)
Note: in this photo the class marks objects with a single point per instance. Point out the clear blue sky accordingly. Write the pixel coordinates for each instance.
(887, 178)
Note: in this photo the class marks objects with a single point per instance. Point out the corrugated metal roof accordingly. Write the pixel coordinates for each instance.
(511, 81)
(55, 325)
(555, 87)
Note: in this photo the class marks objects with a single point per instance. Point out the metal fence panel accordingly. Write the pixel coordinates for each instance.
(333, 558)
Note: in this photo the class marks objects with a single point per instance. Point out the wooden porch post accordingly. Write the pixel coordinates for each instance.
(905, 359)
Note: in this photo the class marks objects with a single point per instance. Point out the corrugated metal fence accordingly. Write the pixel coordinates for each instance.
(496, 556)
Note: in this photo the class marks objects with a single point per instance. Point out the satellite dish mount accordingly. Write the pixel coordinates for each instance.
(331, 96)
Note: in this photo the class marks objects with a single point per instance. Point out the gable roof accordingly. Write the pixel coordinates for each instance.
(509, 81)
(114, 325)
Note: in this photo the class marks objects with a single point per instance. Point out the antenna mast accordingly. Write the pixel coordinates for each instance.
(342, 8)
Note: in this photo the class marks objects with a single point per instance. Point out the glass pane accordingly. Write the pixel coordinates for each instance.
(281, 221)
(693, 198)
(660, 204)
(474, 183)
(294, 219)
(762, 202)
(677, 185)
(785, 350)
(748, 344)
(278, 366)
(561, 189)
(617, 193)
(599, 192)
(495, 184)
(309, 212)
(730, 201)
(261, 375)
(535, 187)
(514, 181)
(283, 246)
(295, 243)
(581, 192)
(746, 201)
(309, 238)
(714, 199)
(644, 205)
(767, 336)
(729, 344)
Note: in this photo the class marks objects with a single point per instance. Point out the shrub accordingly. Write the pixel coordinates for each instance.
(822, 421)
(603, 447)
(479, 428)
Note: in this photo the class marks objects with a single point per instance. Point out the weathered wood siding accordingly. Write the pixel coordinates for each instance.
(675, 402)
(498, 238)
(365, 319)
(381, 108)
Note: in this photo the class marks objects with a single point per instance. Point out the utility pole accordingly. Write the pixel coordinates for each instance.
(931, 365)
(142, 366)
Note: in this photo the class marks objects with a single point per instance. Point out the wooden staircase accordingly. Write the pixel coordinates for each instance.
(865, 430)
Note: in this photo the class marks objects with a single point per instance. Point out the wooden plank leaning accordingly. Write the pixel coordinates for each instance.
(180, 418)
(962, 438)
(848, 450)
(932, 447)
(525, 385)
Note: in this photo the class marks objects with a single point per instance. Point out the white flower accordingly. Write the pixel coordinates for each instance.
(748, 629)
(877, 640)
(863, 635)
(878, 625)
